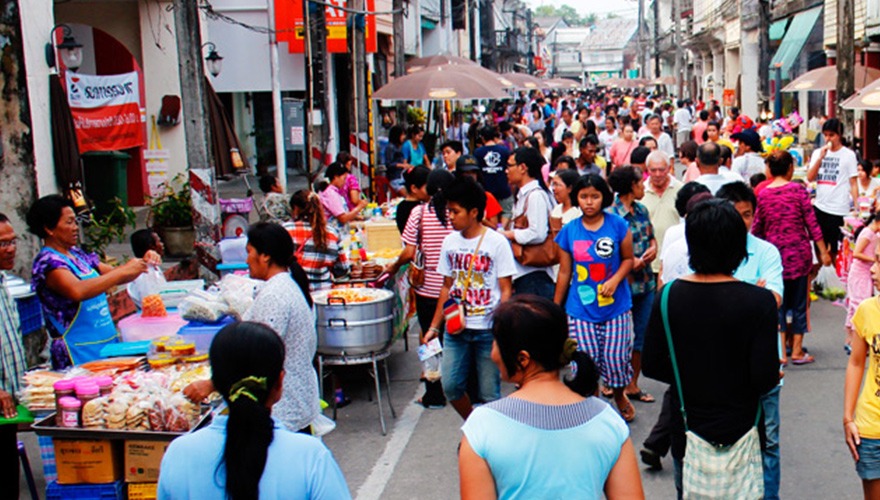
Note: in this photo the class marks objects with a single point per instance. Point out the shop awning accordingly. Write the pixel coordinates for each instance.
(777, 30)
(794, 40)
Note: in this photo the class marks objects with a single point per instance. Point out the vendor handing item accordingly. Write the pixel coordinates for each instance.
(72, 284)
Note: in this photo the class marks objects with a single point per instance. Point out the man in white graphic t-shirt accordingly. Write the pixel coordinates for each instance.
(834, 167)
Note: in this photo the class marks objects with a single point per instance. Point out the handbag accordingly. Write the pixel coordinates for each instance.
(454, 311)
(541, 254)
(417, 269)
(711, 471)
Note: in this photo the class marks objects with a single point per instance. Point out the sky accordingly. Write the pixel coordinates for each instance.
(623, 8)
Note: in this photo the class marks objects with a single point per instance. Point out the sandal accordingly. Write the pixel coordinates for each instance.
(628, 413)
(807, 359)
(607, 393)
(641, 396)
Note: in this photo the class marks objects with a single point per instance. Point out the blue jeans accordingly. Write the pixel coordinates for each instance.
(535, 283)
(641, 310)
(770, 453)
(461, 352)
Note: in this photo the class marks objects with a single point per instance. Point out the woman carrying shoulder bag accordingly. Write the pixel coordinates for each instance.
(719, 378)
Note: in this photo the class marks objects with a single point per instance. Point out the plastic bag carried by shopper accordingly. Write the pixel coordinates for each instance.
(828, 284)
(431, 355)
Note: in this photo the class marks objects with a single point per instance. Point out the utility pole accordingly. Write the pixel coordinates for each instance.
(845, 61)
(200, 164)
(399, 63)
(643, 60)
(277, 120)
(764, 50)
(656, 38)
(357, 56)
(676, 42)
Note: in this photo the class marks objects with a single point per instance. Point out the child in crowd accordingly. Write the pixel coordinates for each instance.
(596, 258)
(274, 207)
(477, 267)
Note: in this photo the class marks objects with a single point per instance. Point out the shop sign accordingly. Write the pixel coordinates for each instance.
(106, 111)
(289, 21)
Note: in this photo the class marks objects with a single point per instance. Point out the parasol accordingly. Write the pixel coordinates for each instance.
(418, 63)
(563, 83)
(444, 82)
(825, 78)
(522, 81)
(867, 99)
(65, 150)
(225, 146)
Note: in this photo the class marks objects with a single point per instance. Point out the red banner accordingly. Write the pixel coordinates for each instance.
(289, 22)
(106, 111)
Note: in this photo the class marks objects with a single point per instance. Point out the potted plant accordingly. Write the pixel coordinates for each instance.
(100, 231)
(171, 217)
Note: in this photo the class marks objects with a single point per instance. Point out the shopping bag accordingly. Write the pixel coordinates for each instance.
(827, 284)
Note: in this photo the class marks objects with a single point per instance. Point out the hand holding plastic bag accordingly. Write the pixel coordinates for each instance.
(828, 285)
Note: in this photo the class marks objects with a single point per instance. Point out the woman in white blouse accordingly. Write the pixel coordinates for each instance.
(285, 306)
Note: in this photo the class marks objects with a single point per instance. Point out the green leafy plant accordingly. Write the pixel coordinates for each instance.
(98, 232)
(173, 208)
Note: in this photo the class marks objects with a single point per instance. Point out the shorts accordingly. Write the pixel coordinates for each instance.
(868, 466)
(465, 351)
(830, 225)
(794, 301)
(609, 343)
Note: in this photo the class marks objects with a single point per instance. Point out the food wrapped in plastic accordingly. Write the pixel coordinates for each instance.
(197, 308)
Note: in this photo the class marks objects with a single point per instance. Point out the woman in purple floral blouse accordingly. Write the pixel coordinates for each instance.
(72, 284)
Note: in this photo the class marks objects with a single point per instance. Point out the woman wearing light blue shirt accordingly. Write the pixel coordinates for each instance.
(247, 454)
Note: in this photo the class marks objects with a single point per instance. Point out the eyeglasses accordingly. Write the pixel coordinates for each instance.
(8, 243)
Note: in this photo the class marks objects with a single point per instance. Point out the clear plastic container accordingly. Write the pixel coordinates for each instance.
(63, 389)
(70, 411)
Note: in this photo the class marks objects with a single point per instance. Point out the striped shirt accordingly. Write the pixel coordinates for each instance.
(12, 360)
(433, 233)
(316, 263)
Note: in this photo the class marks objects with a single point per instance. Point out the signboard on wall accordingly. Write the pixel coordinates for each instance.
(289, 21)
(106, 111)
(729, 97)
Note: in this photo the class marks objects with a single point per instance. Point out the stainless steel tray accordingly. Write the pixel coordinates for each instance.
(47, 427)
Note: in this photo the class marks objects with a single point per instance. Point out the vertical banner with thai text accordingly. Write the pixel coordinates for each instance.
(106, 111)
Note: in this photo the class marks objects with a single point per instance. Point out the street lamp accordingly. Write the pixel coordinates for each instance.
(213, 59)
(70, 49)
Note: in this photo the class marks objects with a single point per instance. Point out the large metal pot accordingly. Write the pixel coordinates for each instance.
(354, 328)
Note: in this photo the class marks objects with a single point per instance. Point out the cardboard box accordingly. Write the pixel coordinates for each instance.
(92, 462)
(142, 491)
(142, 460)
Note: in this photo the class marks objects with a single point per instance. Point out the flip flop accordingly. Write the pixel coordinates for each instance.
(628, 413)
(807, 359)
(641, 396)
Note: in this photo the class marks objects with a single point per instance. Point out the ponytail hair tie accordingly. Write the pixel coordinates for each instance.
(247, 387)
(568, 349)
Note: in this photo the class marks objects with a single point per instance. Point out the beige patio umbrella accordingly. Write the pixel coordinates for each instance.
(825, 78)
(522, 81)
(867, 99)
(563, 83)
(421, 63)
(443, 82)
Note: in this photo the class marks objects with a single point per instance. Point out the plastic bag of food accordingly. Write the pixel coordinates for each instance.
(828, 284)
(430, 355)
(152, 282)
(194, 308)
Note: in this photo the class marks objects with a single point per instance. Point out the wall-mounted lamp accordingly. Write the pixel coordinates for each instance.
(213, 59)
(69, 48)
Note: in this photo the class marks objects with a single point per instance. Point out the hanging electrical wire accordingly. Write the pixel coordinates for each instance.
(213, 15)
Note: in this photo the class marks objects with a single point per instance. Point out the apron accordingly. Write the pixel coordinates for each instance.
(92, 327)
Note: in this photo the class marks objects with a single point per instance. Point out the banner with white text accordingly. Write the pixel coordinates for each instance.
(106, 111)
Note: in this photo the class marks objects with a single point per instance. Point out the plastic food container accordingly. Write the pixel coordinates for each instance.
(70, 408)
(202, 334)
(135, 328)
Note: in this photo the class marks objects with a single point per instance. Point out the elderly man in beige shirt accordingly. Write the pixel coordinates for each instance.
(660, 192)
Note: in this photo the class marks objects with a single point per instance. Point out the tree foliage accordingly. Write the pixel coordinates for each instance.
(568, 13)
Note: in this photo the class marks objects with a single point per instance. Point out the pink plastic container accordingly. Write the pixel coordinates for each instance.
(135, 328)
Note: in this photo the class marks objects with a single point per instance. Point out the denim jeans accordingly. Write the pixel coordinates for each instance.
(470, 348)
(535, 283)
(770, 453)
(641, 310)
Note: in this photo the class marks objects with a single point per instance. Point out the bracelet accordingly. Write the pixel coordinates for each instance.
(847, 422)
(434, 329)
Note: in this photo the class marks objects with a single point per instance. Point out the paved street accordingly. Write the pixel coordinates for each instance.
(417, 460)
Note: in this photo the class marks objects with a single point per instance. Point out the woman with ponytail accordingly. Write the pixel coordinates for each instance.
(315, 244)
(283, 304)
(549, 438)
(246, 454)
(427, 227)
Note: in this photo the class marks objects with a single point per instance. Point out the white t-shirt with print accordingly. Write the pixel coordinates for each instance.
(833, 180)
(494, 261)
